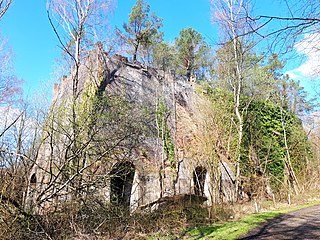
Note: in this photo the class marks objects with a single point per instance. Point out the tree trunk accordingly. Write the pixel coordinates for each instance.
(293, 181)
(136, 47)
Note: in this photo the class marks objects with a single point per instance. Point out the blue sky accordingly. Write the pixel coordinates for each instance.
(35, 46)
(176, 14)
(28, 31)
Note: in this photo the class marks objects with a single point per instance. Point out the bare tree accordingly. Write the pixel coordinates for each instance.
(298, 18)
(78, 25)
(79, 22)
(20, 130)
(9, 82)
(87, 129)
(231, 17)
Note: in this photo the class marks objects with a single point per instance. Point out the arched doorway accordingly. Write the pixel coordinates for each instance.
(32, 193)
(121, 181)
(199, 178)
(33, 180)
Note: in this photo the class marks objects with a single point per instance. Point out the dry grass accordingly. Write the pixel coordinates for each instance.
(98, 221)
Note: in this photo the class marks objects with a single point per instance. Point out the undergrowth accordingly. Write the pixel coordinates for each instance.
(99, 221)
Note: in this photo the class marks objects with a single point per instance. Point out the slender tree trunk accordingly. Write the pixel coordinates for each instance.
(136, 47)
(237, 94)
(292, 179)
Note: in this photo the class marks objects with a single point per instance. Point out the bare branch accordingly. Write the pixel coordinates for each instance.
(4, 5)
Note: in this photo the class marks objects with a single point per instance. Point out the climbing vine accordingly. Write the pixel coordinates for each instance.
(164, 133)
(267, 127)
(264, 148)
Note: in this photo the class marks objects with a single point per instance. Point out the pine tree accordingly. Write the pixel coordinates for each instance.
(142, 29)
(192, 53)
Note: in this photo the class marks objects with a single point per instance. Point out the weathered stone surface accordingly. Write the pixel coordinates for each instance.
(155, 177)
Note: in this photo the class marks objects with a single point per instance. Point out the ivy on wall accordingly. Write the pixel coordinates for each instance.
(164, 133)
(263, 150)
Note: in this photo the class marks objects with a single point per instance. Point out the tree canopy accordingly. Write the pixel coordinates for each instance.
(192, 53)
(142, 30)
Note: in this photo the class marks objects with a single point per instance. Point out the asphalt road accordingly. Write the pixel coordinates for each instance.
(301, 224)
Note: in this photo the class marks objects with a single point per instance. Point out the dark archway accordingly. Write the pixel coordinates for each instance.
(199, 178)
(121, 181)
(33, 179)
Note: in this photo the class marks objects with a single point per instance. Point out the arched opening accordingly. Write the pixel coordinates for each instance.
(121, 181)
(33, 179)
(199, 178)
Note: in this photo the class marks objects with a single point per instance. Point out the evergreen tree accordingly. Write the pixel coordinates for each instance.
(192, 53)
(142, 29)
(163, 56)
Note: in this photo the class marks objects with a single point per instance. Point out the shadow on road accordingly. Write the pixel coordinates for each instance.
(302, 224)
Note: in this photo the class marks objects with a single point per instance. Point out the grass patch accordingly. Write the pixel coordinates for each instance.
(231, 230)
(234, 229)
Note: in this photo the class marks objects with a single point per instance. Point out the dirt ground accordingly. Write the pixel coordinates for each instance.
(301, 224)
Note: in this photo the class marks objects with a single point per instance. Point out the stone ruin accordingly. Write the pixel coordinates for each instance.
(146, 178)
